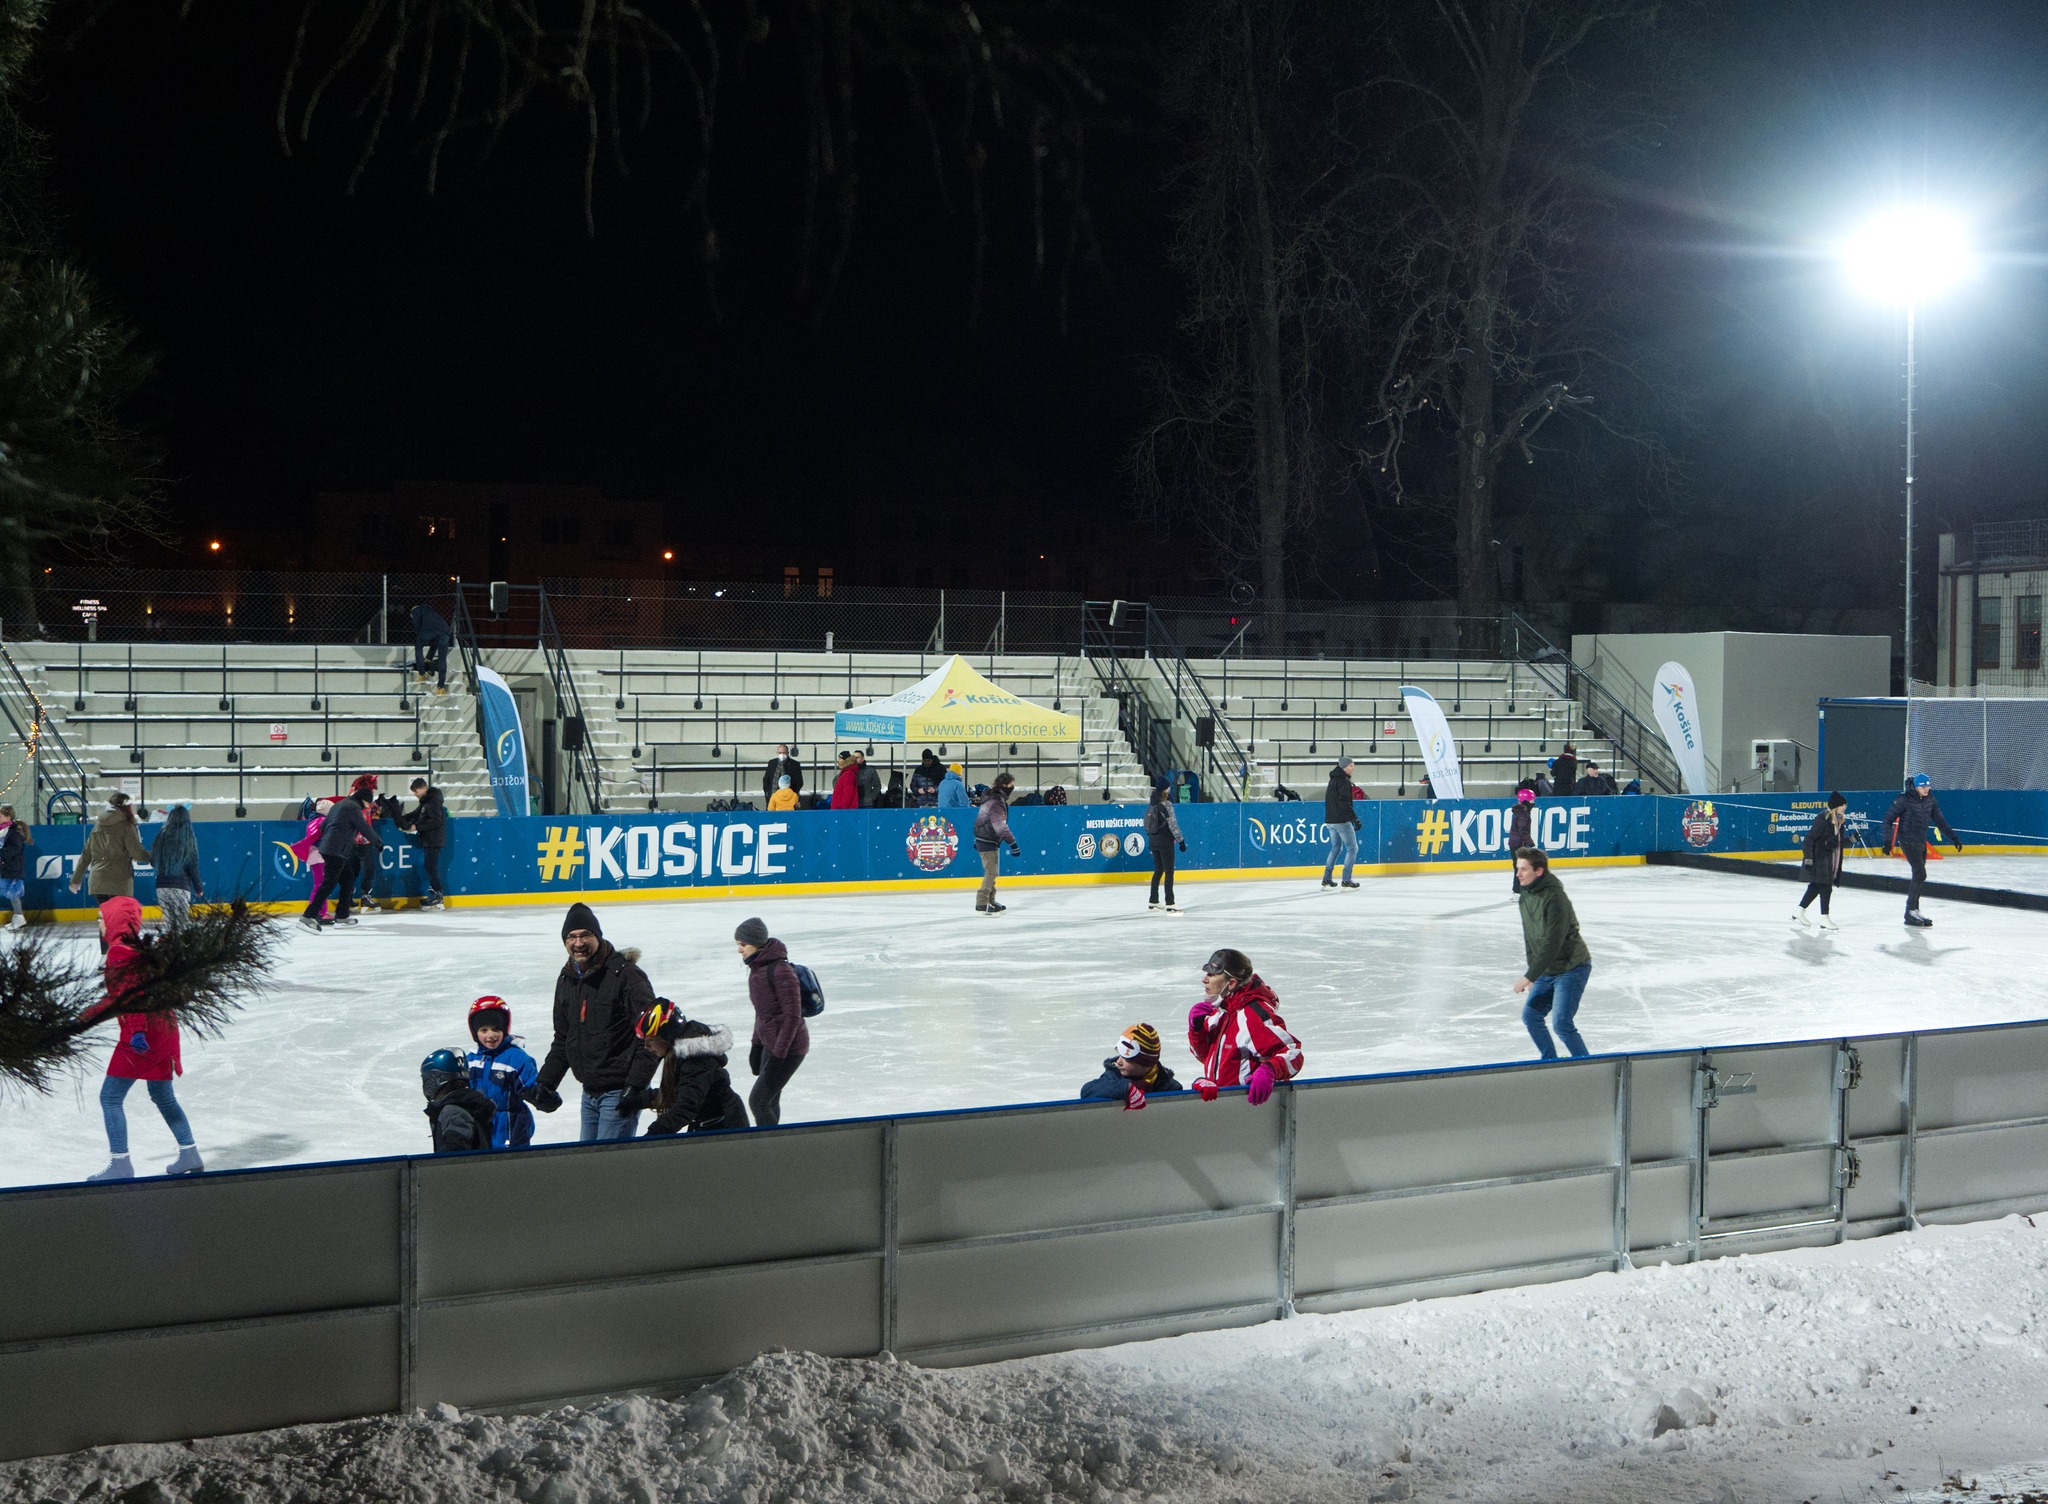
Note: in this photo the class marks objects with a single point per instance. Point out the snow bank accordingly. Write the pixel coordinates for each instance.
(1873, 1371)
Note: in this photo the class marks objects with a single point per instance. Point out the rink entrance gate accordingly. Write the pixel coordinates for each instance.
(158, 1310)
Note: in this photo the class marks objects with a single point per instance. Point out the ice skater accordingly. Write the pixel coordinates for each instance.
(1237, 1033)
(1520, 823)
(695, 1092)
(1162, 834)
(15, 839)
(106, 863)
(991, 833)
(781, 1037)
(1133, 1073)
(175, 855)
(1906, 825)
(1824, 844)
(148, 1050)
(459, 1117)
(1341, 816)
(501, 1070)
(1559, 962)
(427, 824)
(599, 995)
(341, 833)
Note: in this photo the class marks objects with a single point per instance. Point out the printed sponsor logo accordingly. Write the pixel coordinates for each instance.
(53, 868)
(1134, 843)
(1484, 832)
(932, 843)
(1700, 823)
(1676, 694)
(286, 861)
(505, 745)
(1298, 832)
(1084, 848)
(681, 848)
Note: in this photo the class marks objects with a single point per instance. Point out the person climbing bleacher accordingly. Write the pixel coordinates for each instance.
(430, 640)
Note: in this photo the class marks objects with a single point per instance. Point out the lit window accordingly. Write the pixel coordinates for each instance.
(792, 578)
(824, 582)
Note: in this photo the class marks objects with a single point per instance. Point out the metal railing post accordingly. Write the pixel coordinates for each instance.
(1624, 1082)
(1909, 1191)
(408, 1284)
(1288, 1131)
(891, 1226)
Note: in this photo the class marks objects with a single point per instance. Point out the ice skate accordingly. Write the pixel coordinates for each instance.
(350, 920)
(1349, 883)
(118, 1168)
(188, 1161)
(1916, 920)
(1174, 908)
(1827, 922)
(307, 921)
(1154, 906)
(18, 922)
(996, 908)
(1803, 919)
(432, 901)
(1328, 883)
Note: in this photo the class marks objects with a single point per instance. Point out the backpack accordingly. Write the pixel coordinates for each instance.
(808, 989)
(1057, 794)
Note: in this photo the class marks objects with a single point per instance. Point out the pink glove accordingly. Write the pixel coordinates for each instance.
(1206, 1088)
(1260, 1086)
(1199, 1012)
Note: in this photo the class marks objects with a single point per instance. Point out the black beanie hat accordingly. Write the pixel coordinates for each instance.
(1836, 801)
(751, 932)
(580, 917)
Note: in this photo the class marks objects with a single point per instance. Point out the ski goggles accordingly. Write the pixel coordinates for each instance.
(1128, 1049)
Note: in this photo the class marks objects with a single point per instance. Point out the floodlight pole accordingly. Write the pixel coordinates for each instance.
(1907, 770)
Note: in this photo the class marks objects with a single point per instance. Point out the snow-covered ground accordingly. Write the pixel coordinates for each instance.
(1904, 1368)
(931, 1006)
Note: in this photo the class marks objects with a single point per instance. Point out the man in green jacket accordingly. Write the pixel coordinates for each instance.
(1559, 962)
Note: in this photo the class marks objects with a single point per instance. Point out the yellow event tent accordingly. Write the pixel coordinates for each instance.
(955, 704)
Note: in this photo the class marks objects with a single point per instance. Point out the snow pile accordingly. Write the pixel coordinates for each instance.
(1911, 1368)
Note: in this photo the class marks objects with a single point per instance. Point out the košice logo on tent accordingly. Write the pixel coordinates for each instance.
(1684, 721)
(932, 843)
(505, 745)
(1700, 823)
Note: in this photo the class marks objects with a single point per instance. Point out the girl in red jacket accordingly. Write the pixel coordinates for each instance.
(1237, 1033)
(148, 1050)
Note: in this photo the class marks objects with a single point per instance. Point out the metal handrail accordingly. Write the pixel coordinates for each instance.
(1232, 771)
(1148, 735)
(1606, 714)
(40, 738)
(583, 761)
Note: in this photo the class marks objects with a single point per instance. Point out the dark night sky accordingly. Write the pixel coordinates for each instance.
(313, 340)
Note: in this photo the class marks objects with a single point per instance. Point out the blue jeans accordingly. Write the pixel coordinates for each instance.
(602, 1118)
(1564, 990)
(1344, 843)
(114, 1091)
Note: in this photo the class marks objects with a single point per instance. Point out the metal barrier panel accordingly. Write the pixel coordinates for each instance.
(170, 1384)
(1771, 1138)
(1465, 1180)
(160, 1252)
(1982, 1076)
(1079, 1217)
(549, 1217)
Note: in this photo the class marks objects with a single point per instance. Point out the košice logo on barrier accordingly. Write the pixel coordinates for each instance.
(1084, 846)
(932, 843)
(1700, 824)
(286, 861)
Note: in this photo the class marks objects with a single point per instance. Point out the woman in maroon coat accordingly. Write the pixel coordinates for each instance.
(148, 1050)
(781, 1038)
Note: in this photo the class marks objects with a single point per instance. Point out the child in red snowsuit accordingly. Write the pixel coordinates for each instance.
(147, 1052)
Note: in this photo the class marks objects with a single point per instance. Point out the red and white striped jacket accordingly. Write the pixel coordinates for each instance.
(1248, 1029)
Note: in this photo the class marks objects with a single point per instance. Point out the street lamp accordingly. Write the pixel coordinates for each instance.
(1905, 256)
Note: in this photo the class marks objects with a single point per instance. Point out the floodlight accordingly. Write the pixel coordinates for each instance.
(1908, 254)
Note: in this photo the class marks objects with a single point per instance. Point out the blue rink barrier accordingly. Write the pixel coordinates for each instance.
(538, 858)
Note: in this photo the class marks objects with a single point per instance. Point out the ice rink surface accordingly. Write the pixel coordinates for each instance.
(931, 1006)
(2024, 874)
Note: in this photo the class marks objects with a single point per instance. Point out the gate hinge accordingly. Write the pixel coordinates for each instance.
(1711, 1086)
(1849, 1170)
(1848, 1069)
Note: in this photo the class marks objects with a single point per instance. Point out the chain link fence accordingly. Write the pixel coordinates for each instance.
(91, 603)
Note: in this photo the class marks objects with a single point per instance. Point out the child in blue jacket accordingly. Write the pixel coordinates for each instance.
(501, 1071)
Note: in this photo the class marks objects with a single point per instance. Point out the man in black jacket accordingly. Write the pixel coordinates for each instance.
(779, 765)
(345, 835)
(1906, 825)
(1341, 815)
(1564, 772)
(428, 825)
(599, 995)
(430, 639)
